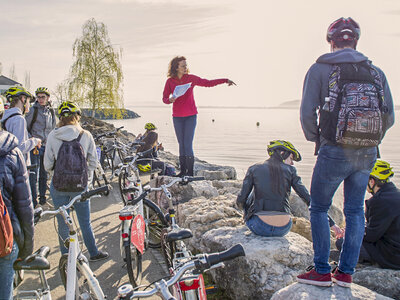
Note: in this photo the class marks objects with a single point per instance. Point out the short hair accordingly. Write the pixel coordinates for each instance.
(345, 44)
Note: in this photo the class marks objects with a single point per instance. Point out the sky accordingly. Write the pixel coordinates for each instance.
(265, 46)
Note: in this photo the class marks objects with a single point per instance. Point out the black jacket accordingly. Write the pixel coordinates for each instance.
(264, 199)
(16, 192)
(382, 231)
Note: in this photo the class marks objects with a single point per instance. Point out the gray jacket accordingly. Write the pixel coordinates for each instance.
(45, 121)
(315, 89)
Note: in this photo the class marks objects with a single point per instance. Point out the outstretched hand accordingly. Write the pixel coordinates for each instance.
(339, 233)
(230, 82)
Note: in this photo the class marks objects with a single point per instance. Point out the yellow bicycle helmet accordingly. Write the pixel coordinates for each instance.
(144, 168)
(381, 171)
(285, 146)
(68, 108)
(43, 90)
(150, 126)
(15, 91)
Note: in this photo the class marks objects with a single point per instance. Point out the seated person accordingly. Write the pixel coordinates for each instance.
(381, 243)
(150, 138)
(267, 211)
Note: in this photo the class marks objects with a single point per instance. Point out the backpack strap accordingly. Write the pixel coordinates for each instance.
(3, 122)
(79, 136)
(34, 118)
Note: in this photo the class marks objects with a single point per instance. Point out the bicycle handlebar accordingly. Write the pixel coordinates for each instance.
(108, 134)
(200, 262)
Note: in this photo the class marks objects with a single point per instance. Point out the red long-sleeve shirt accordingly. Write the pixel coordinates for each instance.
(185, 105)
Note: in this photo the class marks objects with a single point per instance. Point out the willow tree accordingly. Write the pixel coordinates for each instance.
(96, 74)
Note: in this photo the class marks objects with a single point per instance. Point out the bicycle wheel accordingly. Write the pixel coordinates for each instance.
(155, 223)
(133, 259)
(107, 163)
(81, 282)
(125, 179)
(167, 248)
(100, 179)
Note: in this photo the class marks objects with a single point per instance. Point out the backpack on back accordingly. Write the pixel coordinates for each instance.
(6, 230)
(71, 168)
(353, 114)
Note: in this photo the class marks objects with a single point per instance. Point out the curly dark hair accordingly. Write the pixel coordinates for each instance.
(173, 66)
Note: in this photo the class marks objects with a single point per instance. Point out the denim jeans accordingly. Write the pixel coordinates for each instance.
(257, 226)
(364, 255)
(82, 210)
(335, 165)
(184, 130)
(33, 176)
(7, 274)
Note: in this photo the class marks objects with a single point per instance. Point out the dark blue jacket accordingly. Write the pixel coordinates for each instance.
(382, 231)
(14, 184)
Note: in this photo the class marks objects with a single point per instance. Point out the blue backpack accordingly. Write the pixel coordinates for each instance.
(71, 168)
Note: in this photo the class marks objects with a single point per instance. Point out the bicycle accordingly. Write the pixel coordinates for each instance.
(76, 275)
(141, 224)
(196, 265)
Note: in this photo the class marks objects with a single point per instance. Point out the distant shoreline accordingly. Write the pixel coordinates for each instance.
(109, 114)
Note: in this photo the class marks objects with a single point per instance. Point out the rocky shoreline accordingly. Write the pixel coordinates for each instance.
(271, 265)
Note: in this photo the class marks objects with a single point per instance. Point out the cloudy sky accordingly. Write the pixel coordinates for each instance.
(265, 46)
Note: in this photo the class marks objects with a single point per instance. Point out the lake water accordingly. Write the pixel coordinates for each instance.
(234, 139)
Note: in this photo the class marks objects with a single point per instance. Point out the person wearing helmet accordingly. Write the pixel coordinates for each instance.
(337, 163)
(150, 140)
(14, 122)
(40, 120)
(178, 91)
(381, 242)
(266, 188)
(68, 129)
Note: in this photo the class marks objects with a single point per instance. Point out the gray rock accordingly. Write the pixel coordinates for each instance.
(228, 186)
(203, 165)
(212, 175)
(269, 265)
(382, 281)
(298, 291)
(181, 193)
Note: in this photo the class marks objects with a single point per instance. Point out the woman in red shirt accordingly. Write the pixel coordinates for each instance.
(178, 90)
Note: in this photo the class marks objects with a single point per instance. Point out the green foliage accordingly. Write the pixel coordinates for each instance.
(96, 75)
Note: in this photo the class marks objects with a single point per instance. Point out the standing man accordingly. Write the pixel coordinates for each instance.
(355, 108)
(40, 121)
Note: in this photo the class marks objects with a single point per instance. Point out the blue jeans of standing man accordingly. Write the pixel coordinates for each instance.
(82, 210)
(335, 165)
(33, 177)
(7, 273)
(184, 130)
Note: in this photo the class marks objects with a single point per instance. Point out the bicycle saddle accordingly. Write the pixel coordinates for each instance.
(178, 235)
(35, 261)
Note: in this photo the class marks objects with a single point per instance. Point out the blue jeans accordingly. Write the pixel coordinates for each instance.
(82, 210)
(7, 273)
(257, 226)
(33, 176)
(184, 130)
(336, 165)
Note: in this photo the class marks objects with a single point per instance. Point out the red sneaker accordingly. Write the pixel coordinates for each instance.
(342, 279)
(314, 278)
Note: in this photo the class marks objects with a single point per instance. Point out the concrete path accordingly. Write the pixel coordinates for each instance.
(111, 273)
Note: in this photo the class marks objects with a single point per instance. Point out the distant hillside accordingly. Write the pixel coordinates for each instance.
(109, 114)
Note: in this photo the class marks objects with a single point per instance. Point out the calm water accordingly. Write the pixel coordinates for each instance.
(234, 139)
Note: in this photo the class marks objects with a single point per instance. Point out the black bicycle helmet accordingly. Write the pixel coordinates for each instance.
(343, 29)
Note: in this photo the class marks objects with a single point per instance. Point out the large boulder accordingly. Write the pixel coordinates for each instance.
(227, 186)
(181, 193)
(201, 165)
(270, 264)
(382, 281)
(298, 291)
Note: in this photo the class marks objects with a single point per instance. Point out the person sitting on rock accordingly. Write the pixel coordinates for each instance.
(381, 242)
(266, 188)
(150, 140)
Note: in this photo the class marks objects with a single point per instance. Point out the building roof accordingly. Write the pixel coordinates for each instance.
(7, 81)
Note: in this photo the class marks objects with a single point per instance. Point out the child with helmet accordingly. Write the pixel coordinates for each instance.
(69, 129)
(381, 242)
(14, 122)
(266, 188)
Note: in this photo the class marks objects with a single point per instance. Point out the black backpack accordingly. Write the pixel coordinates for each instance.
(71, 168)
(353, 114)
